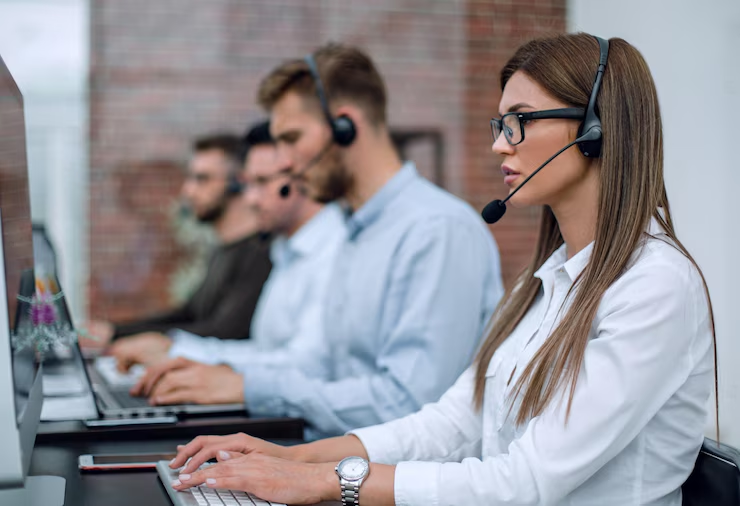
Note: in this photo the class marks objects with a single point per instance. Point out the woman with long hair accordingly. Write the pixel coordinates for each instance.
(591, 386)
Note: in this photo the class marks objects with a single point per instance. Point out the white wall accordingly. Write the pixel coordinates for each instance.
(693, 49)
(45, 45)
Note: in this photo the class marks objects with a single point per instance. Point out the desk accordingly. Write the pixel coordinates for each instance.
(186, 429)
(140, 488)
(59, 444)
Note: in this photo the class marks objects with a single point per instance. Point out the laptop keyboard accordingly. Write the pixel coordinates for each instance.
(106, 367)
(126, 400)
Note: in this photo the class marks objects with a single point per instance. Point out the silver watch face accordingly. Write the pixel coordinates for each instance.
(353, 468)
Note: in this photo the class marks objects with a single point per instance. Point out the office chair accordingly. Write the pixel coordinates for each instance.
(715, 480)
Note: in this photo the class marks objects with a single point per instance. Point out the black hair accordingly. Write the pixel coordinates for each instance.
(258, 134)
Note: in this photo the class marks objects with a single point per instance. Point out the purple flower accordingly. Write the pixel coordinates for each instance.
(42, 313)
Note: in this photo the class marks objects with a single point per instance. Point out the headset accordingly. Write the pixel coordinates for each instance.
(589, 139)
(233, 185)
(591, 121)
(343, 129)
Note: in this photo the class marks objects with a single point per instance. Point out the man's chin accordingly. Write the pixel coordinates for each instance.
(324, 199)
(316, 192)
(332, 191)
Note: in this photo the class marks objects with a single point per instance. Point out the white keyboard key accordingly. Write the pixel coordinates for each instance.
(206, 496)
(227, 497)
(242, 498)
(199, 497)
(212, 498)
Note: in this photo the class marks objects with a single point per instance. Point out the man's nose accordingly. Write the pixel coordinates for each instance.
(284, 158)
(186, 190)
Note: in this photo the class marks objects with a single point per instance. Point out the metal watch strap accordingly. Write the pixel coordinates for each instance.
(350, 493)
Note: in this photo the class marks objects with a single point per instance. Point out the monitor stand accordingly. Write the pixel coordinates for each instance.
(38, 491)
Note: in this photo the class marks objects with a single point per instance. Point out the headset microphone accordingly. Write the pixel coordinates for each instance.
(496, 209)
(285, 190)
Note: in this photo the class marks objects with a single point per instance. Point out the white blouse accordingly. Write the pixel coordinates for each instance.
(638, 413)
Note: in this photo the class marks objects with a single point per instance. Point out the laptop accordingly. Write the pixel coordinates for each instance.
(204, 496)
(112, 397)
(111, 388)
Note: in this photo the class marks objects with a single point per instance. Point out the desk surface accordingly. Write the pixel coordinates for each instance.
(59, 444)
(266, 428)
(140, 488)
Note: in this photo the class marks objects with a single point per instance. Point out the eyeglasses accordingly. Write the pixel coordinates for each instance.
(200, 177)
(512, 124)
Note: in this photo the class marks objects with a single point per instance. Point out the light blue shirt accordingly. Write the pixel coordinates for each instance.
(411, 292)
(287, 327)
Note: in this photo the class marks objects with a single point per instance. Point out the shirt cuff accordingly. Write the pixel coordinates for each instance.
(417, 483)
(261, 394)
(185, 344)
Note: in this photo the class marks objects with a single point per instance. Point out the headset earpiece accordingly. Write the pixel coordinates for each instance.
(343, 129)
(591, 125)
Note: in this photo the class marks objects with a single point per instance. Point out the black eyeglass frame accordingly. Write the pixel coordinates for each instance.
(565, 113)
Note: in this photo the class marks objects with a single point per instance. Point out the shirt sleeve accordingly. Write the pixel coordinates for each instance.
(433, 319)
(233, 312)
(207, 350)
(651, 335)
(448, 430)
(232, 316)
(306, 350)
(157, 323)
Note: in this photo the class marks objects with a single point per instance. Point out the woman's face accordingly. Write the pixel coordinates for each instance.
(562, 179)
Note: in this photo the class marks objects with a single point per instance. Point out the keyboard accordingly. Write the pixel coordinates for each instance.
(205, 496)
(126, 400)
(106, 367)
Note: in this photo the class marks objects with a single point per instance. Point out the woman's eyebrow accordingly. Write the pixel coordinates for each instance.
(516, 107)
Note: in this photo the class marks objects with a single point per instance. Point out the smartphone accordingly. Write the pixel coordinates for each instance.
(122, 462)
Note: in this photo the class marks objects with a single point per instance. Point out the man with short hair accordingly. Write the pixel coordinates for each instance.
(223, 304)
(287, 326)
(414, 283)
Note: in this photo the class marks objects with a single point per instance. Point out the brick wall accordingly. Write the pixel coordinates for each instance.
(494, 30)
(17, 245)
(163, 72)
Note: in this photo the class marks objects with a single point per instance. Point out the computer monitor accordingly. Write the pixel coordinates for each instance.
(21, 395)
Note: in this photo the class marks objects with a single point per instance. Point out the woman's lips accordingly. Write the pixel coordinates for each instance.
(509, 180)
(510, 175)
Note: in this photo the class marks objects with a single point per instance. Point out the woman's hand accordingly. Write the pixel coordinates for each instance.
(204, 448)
(268, 477)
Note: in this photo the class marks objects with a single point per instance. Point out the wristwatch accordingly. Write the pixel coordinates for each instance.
(352, 471)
